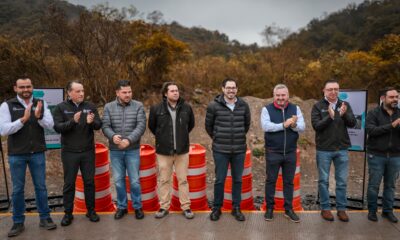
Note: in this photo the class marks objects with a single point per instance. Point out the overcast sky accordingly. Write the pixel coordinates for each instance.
(241, 20)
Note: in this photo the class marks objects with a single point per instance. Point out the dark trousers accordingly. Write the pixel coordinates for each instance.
(72, 162)
(222, 161)
(274, 162)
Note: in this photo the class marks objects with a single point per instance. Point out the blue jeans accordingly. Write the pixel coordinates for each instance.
(222, 161)
(388, 168)
(340, 160)
(123, 162)
(37, 166)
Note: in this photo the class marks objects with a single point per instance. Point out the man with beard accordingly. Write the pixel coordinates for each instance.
(281, 121)
(76, 120)
(227, 122)
(171, 121)
(124, 122)
(330, 118)
(383, 148)
(23, 119)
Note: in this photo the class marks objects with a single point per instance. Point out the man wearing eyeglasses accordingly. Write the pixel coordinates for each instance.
(227, 122)
(23, 120)
(330, 119)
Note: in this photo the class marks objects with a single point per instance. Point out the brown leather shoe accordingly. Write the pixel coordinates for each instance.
(342, 216)
(327, 215)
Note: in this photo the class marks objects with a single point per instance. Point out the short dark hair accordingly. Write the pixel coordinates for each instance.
(69, 84)
(228, 80)
(330, 81)
(164, 88)
(384, 91)
(23, 77)
(122, 83)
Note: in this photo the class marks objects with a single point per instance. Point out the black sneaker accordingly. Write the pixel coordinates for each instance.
(269, 215)
(292, 216)
(16, 229)
(215, 214)
(372, 216)
(188, 214)
(161, 213)
(93, 217)
(238, 214)
(47, 224)
(139, 213)
(67, 219)
(120, 213)
(390, 216)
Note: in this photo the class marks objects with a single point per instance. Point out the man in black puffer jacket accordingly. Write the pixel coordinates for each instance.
(227, 122)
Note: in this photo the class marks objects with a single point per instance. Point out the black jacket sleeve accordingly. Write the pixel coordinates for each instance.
(61, 125)
(348, 117)
(191, 120)
(152, 120)
(210, 118)
(318, 122)
(97, 121)
(247, 118)
(373, 126)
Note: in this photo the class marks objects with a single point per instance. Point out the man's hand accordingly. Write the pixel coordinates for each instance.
(396, 123)
(123, 144)
(294, 124)
(117, 139)
(90, 118)
(343, 109)
(288, 122)
(27, 114)
(38, 110)
(77, 116)
(331, 111)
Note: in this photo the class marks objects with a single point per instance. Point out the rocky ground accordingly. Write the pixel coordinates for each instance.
(255, 142)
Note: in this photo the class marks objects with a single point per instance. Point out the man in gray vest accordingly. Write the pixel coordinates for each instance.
(23, 120)
(124, 122)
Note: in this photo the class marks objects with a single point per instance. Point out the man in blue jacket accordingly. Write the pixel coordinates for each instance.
(124, 122)
(383, 148)
(281, 121)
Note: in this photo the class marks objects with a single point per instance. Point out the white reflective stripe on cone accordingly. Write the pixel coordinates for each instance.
(246, 171)
(98, 170)
(192, 195)
(146, 196)
(279, 194)
(103, 169)
(98, 195)
(197, 171)
(247, 195)
(147, 172)
(297, 170)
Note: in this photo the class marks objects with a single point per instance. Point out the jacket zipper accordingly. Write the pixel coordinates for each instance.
(123, 121)
(284, 132)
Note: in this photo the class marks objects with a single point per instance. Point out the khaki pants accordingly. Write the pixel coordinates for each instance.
(165, 167)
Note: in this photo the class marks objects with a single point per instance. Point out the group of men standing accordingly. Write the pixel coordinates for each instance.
(228, 119)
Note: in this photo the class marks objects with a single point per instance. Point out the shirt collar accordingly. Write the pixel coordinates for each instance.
(333, 102)
(23, 102)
